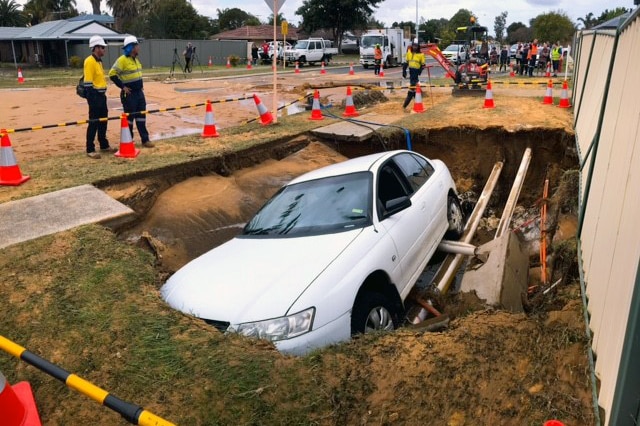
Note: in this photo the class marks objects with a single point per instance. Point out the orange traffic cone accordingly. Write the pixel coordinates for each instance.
(381, 73)
(316, 113)
(349, 107)
(418, 106)
(265, 115)
(210, 64)
(564, 96)
(322, 70)
(351, 72)
(488, 99)
(248, 64)
(127, 148)
(209, 130)
(9, 170)
(511, 73)
(548, 73)
(20, 77)
(297, 71)
(548, 96)
(17, 404)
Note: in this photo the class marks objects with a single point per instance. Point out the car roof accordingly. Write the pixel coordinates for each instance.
(358, 164)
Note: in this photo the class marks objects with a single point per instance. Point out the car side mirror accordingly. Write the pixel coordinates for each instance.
(396, 205)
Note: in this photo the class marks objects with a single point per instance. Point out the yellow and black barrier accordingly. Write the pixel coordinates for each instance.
(132, 413)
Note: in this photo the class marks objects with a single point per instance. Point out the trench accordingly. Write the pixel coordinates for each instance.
(183, 211)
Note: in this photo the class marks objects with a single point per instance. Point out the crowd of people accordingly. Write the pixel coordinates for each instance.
(534, 56)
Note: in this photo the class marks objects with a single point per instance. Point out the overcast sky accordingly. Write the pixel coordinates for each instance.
(390, 11)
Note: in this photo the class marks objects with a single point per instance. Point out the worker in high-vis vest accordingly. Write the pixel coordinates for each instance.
(126, 73)
(415, 62)
(95, 86)
(377, 59)
(556, 54)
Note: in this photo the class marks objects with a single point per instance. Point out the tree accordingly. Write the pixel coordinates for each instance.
(280, 18)
(462, 18)
(553, 26)
(10, 15)
(175, 19)
(49, 10)
(515, 31)
(124, 12)
(230, 19)
(336, 15)
(610, 14)
(435, 30)
(499, 25)
(95, 5)
(588, 21)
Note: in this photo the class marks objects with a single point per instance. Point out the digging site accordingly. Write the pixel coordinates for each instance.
(520, 362)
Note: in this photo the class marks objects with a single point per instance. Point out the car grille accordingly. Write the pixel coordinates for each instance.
(220, 325)
(367, 57)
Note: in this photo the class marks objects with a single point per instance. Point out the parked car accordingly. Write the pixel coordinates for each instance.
(334, 252)
(512, 50)
(280, 53)
(455, 53)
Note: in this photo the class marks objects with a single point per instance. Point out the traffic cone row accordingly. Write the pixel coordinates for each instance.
(209, 130)
(17, 405)
(322, 70)
(349, 107)
(9, 170)
(127, 147)
(297, 71)
(265, 116)
(488, 99)
(351, 72)
(418, 106)
(564, 96)
(20, 77)
(316, 113)
(548, 96)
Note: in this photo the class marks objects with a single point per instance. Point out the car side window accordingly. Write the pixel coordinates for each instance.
(416, 169)
(390, 186)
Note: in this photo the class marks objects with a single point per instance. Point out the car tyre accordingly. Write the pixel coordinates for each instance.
(371, 312)
(455, 218)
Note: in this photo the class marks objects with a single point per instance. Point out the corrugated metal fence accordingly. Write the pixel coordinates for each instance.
(606, 99)
(160, 53)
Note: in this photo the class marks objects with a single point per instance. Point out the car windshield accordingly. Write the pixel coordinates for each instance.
(452, 48)
(302, 44)
(331, 204)
(370, 41)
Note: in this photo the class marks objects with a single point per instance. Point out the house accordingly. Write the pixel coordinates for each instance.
(257, 34)
(52, 43)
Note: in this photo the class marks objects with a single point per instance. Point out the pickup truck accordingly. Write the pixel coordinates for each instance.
(311, 51)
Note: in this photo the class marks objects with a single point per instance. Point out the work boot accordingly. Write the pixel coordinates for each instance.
(94, 155)
(148, 145)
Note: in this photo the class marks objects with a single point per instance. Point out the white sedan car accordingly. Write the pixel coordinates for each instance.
(333, 253)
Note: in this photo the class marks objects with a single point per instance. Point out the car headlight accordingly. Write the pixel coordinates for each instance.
(278, 328)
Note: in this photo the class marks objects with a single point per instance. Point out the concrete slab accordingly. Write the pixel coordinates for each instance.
(502, 280)
(46, 214)
(352, 132)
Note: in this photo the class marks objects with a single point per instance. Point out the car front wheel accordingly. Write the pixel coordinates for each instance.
(455, 219)
(371, 312)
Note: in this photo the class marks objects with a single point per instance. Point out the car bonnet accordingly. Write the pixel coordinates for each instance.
(252, 279)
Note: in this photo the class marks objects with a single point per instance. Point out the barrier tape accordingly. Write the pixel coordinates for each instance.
(132, 413)
(152, 111)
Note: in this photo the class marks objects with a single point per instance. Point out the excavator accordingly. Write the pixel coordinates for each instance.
(470, 75)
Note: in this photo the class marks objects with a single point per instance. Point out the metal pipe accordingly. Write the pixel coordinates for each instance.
(445, 274)
(507, 213)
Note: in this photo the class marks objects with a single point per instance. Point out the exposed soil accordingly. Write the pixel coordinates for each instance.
(478, 370)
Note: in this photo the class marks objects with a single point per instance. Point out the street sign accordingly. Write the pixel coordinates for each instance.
(273, 4)
(284, 27)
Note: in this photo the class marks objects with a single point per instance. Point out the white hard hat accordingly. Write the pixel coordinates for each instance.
(96, 40)
(130, 39)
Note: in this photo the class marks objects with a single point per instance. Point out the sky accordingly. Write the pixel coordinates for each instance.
(390, 11)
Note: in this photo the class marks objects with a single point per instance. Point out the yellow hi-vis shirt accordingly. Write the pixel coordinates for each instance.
(128, 70)
(415, 60)
(94, 74)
